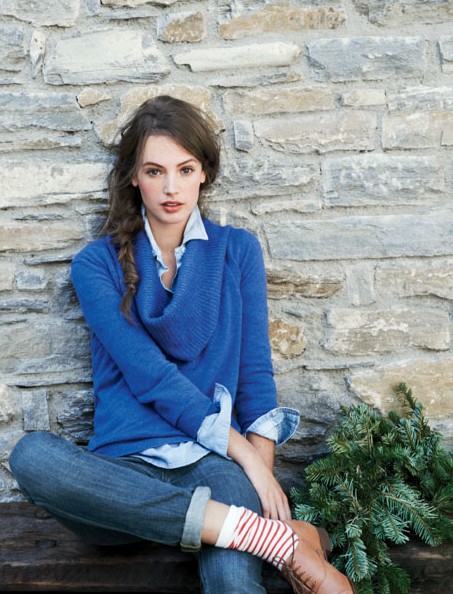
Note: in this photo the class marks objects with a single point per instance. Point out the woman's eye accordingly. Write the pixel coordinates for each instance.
(153, 172)
(187, 170)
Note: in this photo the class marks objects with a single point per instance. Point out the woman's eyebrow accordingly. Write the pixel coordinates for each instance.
(159, 165)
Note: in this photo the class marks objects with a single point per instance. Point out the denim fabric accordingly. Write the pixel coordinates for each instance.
(121, 500)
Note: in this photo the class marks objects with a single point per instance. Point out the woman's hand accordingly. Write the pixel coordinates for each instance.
(258, 469)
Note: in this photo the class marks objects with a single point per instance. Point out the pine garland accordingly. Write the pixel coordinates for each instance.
(383, 481)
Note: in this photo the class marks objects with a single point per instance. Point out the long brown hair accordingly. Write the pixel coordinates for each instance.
(163, 115)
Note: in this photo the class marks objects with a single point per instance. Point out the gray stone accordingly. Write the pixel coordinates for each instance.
(417, 130)
(246, 79)
(358, 332)
(379, 236)
(24, 305)
(446, 52)
(243, 135)
(380, 179)
(7, 270)
(62, 13)
(32, 280)
(44, 350)
(9, 408)
(366, 58)
(93, 58)
(421, 99)
(432, 277)
(37, 52)
(134, 3)
(360, 284)
(35, 181)
(37, 140)
(327, 131)
(246, 56)
(35, 410)
(75, 414)
(394, 13)
(57, 111)
(12, 48)
(267, 178)
(29, 237)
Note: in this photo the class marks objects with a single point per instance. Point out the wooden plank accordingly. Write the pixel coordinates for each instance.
(38, 554)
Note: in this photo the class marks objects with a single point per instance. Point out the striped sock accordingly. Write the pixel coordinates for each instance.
(271, 540)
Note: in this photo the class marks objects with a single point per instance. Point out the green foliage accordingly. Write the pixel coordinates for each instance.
(383, 481)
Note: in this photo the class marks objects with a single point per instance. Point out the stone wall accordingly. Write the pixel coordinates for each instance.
(336, 118)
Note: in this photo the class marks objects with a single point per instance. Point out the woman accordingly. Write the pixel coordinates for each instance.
(186, 419)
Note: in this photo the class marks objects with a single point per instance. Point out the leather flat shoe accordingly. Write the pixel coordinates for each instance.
(307, 570)
(317, 538)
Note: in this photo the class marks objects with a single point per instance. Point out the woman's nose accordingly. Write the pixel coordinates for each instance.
(170, 184)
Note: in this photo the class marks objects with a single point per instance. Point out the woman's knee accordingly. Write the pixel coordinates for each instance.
(230, 485)
(30, 453)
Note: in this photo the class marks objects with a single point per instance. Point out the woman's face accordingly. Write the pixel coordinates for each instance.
(169, 180)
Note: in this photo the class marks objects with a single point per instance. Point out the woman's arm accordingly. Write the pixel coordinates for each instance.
(273, 500)
(265, 447)
(150, 376)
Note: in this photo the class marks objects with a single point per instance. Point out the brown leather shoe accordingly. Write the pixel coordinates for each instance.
(307, 570)
(317, 538)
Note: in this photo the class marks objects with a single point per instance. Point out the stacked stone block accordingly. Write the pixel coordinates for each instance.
(336, 119)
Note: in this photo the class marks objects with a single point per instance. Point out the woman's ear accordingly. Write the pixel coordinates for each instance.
(134, 181)
(203, 177)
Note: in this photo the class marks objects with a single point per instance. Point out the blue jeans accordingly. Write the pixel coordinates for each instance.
(109, 501)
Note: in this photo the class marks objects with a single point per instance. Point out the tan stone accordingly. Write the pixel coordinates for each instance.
(190, 28)
(28, 237)
(286, 339)
(423, 278)
(328, 131)
(431, 382)
(364, 97)
(90, 96)
(364, 332)
(267, 101)
(284, 283)
(273, 19)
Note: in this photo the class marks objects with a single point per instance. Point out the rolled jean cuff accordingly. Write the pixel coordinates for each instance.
(191, 535)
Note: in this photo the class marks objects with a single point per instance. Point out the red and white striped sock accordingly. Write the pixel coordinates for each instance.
(271, 540)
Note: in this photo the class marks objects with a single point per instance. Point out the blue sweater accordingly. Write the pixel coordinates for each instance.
(154, 379)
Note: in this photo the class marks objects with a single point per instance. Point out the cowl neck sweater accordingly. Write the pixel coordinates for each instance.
(182, 323)
(155, 378)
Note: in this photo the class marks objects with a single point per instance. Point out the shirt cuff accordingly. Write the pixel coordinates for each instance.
(279, 424)
(214, 432)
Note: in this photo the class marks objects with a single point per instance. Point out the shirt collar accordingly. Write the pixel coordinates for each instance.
(194, 229)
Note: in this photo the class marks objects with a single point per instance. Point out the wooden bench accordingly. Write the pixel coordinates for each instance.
(38, 554)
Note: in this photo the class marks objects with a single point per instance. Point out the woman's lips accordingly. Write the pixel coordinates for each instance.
(171, 206)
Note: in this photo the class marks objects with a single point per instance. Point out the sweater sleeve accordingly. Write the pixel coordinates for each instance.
(150, 376)
(256, 394)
